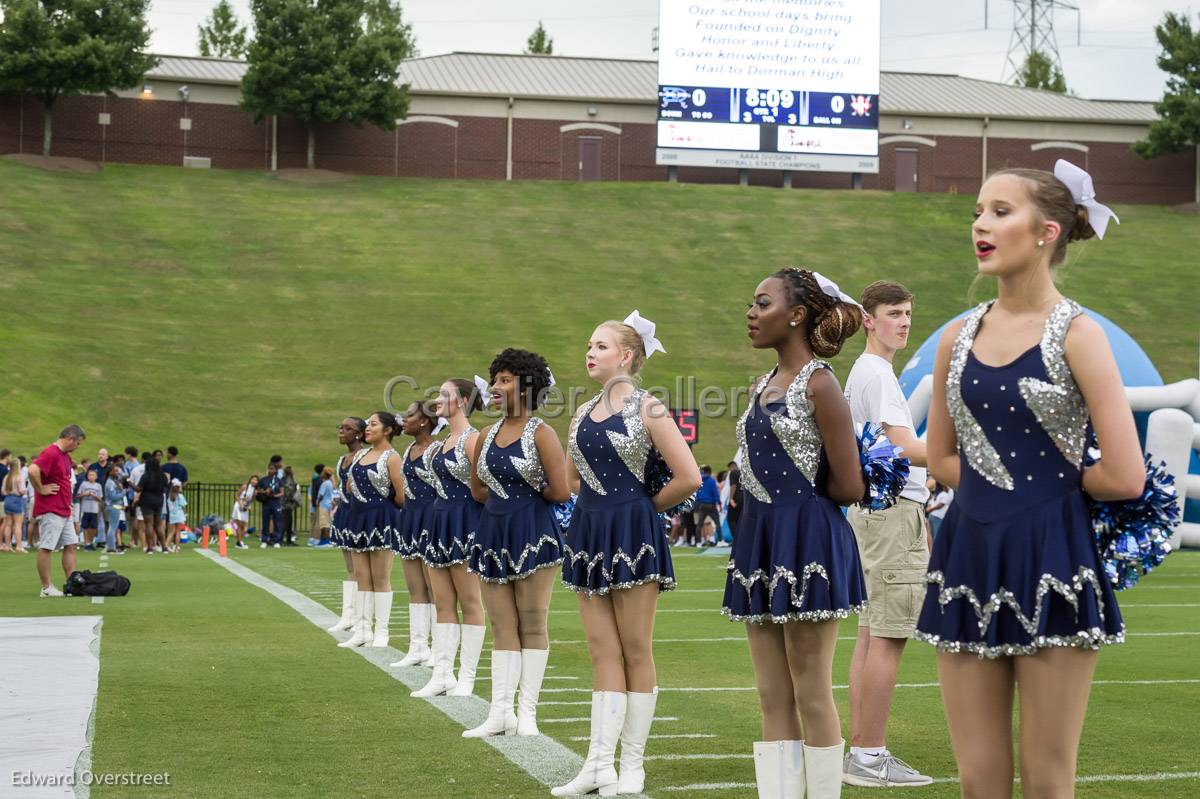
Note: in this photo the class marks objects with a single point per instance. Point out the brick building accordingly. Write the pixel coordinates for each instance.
(519, 117)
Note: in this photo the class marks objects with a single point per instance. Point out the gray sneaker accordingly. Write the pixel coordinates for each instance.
(885, 771)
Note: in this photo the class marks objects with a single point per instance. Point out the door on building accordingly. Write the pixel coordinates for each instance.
(906, 169)
(589, 158)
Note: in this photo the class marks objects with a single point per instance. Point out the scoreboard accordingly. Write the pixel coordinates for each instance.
(769, 84)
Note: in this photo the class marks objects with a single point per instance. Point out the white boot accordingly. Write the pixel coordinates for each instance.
(363, 607)
(430, 613)
(468, 659)
(445, 645)
(418, 632)
(533, 668)
(823, 770)
(349, 589)
(383, 618)
(506, 672)
(639, 714)
(779, 769)
(598, 772)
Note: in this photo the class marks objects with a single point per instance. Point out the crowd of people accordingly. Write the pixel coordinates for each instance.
(1010, 591)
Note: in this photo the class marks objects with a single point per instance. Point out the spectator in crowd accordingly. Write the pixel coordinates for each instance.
(291, 506)
(78, 475)
(31, 536)
(324, 499)
(137, 469)
(270, 495)
(734, 509)
(723, 530)
(177, 514)
(314, 487)
(114, 504)
(12, 489)
(241, 509)
(940, 497)
(151, 494)
(174, 469)
(102, 466)
(90, 496)
(707, 500)
(50, 474)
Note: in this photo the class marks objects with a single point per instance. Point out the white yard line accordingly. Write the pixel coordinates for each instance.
(576, 719)
(541, 757)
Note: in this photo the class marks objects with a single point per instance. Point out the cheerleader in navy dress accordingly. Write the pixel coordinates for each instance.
(794, 557)
(1017, 598)
(453, 522)
(616, 544)
(370, 525)
(419, 496)
(350, 435)
(1015, 567)
(794, 568)
(518, 544)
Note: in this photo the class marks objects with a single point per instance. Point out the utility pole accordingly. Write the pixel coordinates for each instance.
(1033, 32)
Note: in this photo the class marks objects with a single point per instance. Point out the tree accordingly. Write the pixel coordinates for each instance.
(539, 42)
(1178, 123)
(220, 35)
(327, 60)
(1039, 72)
(57, 48)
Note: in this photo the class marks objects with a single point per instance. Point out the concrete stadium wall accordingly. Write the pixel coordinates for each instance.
(436, 142)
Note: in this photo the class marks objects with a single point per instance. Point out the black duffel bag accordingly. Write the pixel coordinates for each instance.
(86, 583)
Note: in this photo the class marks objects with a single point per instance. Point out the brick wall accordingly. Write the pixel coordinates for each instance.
(147, 132)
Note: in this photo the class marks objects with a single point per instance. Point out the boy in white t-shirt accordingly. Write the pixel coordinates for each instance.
(892, 544)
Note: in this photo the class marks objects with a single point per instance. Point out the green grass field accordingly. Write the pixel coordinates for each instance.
(236, 695)
(236, 315)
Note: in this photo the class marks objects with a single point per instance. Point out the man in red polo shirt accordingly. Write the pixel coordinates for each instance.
(50, 475)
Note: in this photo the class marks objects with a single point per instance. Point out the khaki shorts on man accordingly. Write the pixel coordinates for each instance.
(894, 555)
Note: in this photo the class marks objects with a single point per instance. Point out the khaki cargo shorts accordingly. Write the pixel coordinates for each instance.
(895, 557)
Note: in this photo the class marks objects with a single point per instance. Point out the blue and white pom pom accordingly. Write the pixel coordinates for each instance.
(884, 471)
(1132, 535)
(563, 511)
(658, 474)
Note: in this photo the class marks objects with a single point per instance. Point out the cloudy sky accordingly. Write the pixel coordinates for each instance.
(1112, 59)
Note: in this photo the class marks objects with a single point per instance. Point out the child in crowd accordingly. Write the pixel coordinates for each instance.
(90, 496)
(176, 513)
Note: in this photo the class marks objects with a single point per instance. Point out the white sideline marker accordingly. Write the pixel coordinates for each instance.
(1161, 776)
(541, 757)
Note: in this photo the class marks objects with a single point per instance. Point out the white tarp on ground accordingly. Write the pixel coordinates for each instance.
(49, 673)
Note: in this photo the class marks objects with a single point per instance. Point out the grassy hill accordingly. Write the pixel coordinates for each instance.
(235, 315)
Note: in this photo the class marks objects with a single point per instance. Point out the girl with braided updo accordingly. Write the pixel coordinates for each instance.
(794, 569)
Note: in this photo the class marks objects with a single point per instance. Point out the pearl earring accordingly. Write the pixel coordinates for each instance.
(793, 324)
(1041, 243)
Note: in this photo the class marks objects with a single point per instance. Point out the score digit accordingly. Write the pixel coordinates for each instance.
(699, 98)
(837, 104)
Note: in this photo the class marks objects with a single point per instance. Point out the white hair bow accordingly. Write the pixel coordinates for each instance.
(831, 288)
(484, 394)
(551, 374)
(1084, 193)
(645, 329)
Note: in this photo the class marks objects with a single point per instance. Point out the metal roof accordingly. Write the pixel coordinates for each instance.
(620, 80)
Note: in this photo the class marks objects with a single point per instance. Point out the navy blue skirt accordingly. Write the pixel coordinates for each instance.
(515, 539)
(413, 534)
(1014, 585)
(611, 547)
(370, 527)
(793, 562)
(452, 527)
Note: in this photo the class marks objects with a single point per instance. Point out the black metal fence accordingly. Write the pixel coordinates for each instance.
(216, 499)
